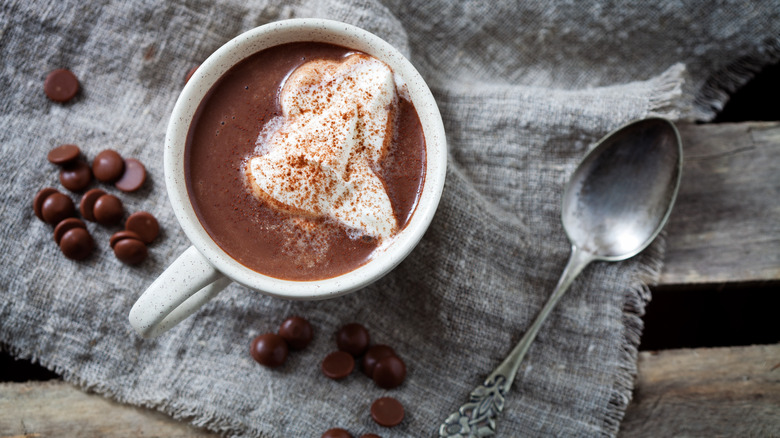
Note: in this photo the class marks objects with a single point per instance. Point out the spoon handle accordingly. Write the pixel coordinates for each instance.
(477, 417)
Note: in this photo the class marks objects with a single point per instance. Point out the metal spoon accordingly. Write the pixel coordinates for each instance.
(615, 204)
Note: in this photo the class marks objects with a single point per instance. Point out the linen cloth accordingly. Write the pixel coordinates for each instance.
(524, 88)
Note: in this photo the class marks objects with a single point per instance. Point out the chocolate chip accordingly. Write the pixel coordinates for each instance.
(387, 412)
(370, 435)
(65, 225)
(269, 349)
(336, 432)
(61, 85)
(57, 207)
(76, 176)
(120, 235)
(389, 372)
(353, 338)
(130, 251)
(77, 244)
(108, 210)
(144, 224)
(108, 166)
(373, 355)
(191, 72)
(338, 365)
(65, 154)
(87, 204)
(133, 177)
(39, 198)
(296, 331)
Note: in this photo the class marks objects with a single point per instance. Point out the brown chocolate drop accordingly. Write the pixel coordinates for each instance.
(387, 412)
(61, 85)
(353, 338)
(144, 224)
(336, 432)
(76, 176)
(374, 354)
(269, 349)
(108, 210)
(77, 244)
(297, 332)
(389, 372)
(121, 235)
(108, 166)
(57, 207)
(370, 435)
(65, 225)
(338, 365)
(130, 251)
(133, 177)
(64, 154)
(87, 204)
(39, 198)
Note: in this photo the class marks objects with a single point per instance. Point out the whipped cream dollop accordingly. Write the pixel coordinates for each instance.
(319, 160)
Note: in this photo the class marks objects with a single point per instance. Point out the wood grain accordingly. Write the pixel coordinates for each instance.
(56, 409)
(725, 226)
(706, 392)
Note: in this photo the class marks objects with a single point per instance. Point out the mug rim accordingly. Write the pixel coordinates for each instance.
(305, 30)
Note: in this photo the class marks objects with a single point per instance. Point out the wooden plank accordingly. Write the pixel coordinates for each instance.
(724, 229)
(725, 226)
(55, 408)
(707, 392)
(711, 392)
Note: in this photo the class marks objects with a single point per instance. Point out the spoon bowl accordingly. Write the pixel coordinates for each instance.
(616, 203)
(622, 193)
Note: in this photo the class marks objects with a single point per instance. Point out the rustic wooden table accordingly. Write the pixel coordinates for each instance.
(724, 231)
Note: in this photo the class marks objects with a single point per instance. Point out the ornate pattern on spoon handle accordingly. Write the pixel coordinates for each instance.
(477, 418)
(642, 180)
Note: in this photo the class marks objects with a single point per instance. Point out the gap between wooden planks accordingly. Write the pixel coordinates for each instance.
(705, 392)
(724, 229)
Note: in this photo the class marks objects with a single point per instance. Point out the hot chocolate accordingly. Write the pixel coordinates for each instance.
(304, 159)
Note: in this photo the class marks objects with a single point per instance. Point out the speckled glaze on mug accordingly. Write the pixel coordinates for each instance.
(204, 269)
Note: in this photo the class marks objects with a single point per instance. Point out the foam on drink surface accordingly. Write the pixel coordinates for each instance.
(319, 159)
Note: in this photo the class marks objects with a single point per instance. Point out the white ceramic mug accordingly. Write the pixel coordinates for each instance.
(205, 269)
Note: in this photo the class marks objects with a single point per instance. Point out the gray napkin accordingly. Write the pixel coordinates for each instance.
(524, 89)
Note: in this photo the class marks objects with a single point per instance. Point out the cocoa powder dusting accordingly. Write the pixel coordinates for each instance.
(268, 238)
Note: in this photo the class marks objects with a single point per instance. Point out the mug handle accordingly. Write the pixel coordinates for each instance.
(188, 283)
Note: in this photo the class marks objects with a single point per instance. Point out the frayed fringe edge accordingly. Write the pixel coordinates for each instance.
(717, 90)
(669, 102)
(666, 96)
(636, 300)
(666, 100)
(207, 420)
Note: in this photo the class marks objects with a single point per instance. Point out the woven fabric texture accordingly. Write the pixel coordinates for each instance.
(524, 89)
